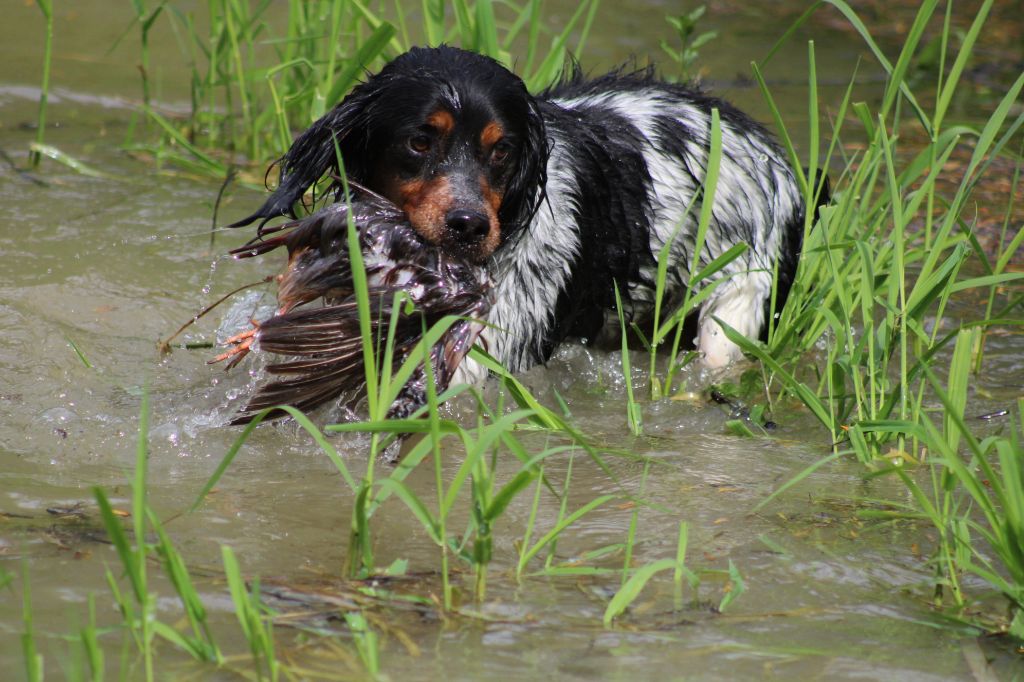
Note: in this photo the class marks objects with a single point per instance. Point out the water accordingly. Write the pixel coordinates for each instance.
(114, 264)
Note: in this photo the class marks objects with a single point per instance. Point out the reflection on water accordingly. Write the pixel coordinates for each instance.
(113, 265)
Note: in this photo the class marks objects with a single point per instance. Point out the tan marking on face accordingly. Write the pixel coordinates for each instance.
(491, 135)
(492, 203)
(442, 121)
(426, 202)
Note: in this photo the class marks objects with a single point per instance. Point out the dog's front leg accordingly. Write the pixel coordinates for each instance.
(739, 303)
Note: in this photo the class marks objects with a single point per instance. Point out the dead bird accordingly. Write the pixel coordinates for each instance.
(324, 343)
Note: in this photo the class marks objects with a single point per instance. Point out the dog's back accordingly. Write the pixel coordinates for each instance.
(624, 178)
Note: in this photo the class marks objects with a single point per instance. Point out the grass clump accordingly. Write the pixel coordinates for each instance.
(139, 608)
(33, 659)
(193, 634)
(874, 288)
(873, 298)
(254, 81)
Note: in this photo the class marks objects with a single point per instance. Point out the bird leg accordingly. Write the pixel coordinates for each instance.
(240, 343)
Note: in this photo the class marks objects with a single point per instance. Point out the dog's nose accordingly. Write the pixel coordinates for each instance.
(471, 226)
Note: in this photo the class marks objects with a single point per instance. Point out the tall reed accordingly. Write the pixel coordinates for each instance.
(46, 7)
(245, 102)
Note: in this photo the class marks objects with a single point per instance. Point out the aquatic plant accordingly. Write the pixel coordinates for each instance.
(871, 288)
(690, 41)
(245, 103)
(30, 654)
(138, 608)
(257, 626)
(46, 7)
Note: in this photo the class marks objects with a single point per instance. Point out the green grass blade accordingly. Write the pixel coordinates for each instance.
(551, 68)
(226, 460)
(509, 492)
(369, 50)
(796, 479)
(115, 531)
(366, 642)
(216, 167)
(29, 651)
(415, 505)
(963, 55)
(634, 414)
(865, 35)
(46, 7)
(474, 450)
(735, 588)
(805, 394)
(486, 30)
(433, 21)
(78, 351)
(39, 149)
(910, 42)
(560, 526)
(628, 593)
(236, 586)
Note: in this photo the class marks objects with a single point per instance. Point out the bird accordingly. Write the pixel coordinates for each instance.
(410, 283)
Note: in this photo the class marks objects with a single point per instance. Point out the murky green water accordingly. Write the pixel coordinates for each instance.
(114, 264)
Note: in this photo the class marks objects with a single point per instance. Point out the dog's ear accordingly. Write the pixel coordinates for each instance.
(525, 189)
(314, 153)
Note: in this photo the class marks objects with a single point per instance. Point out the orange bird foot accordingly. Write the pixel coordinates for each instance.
(240, 343)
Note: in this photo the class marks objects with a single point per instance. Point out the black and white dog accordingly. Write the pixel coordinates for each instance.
(564, 195)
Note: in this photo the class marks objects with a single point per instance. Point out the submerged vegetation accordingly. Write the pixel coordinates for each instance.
(865, 343)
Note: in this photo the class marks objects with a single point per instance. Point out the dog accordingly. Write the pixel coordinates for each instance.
(565, 195)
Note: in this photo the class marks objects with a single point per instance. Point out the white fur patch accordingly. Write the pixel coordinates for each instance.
(738, 303)
(524, 306)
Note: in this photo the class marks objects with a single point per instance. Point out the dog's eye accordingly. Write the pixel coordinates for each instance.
(501, 151)
(420, 143)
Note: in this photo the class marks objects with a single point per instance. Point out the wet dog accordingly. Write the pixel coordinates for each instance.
(566, 195)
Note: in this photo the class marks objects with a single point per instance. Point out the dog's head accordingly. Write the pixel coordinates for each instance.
(452, 137)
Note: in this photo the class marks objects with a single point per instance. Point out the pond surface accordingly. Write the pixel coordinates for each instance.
(111, 265)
